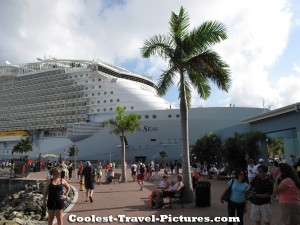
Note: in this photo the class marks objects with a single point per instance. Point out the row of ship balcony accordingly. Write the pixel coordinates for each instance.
(41, 99)
(28, 80)
(61, 120)
(41, 86)
(17, 115)
(56, 105)
(40, 90)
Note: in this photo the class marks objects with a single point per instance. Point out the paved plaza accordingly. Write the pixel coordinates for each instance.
(126, 199)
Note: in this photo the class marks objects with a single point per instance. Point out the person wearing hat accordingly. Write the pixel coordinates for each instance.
(261, 162)
(292, 160)
(88, 173)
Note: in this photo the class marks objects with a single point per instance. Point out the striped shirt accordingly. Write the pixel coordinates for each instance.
(261, 186)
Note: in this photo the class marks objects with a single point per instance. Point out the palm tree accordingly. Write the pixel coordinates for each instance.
(23, 147)
(190, 57)
(163, 154)
(121, 124)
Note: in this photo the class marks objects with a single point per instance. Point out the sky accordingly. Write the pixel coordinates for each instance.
(262, 48)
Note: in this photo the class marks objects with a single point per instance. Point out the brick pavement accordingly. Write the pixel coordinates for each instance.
(126, 199)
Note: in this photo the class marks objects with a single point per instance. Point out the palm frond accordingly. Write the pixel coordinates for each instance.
(201, 83)
(160, 45)
(179, 25)
(210, 65)
(165, 81)
(204, 36)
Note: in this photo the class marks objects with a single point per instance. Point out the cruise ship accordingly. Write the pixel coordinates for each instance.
(60, 102)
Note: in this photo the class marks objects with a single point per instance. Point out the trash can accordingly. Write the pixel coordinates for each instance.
(203, 196)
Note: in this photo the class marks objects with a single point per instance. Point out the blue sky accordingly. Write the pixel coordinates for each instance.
(262, 48)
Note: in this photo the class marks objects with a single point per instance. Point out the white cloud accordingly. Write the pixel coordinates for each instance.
(258, 33)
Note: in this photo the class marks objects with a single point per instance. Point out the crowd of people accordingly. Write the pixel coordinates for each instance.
(265, 182)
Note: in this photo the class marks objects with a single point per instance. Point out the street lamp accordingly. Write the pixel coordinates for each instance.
(75, 155)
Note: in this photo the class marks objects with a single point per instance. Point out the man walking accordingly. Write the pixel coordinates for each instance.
(88, 173)
(133, 171)
(261, 190)
(141, 174)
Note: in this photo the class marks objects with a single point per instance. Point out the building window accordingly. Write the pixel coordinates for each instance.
(154, 116)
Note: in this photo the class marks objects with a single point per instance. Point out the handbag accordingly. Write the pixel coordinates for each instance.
(227, 194)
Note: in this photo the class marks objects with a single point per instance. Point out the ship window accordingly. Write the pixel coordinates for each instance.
(132, 107)
(93, 87)
(125, 108)
(86, 95)
(86, 75)
(98, 110)
(111, 92)
(154, 116)
(104, 109)
(71, 77)
(98, 102)
(98, 93)
(86, 81)
(147, 117)
(111, 109)
(93, 80)
(86, 88)
(177, 115)
(93, 94)
(99, 86)
(99, 79)
(169, 116)
(75, 76)
(105, 92)
(75, 82)
(92, 110)
(111, 100)
(152, 139)
(104, 101)
(81, 75)
(118, 100)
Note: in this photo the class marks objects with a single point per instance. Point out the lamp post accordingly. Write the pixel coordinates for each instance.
(75, 155)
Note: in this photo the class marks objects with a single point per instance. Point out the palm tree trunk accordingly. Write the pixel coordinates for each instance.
(186, 171)
(124, 180)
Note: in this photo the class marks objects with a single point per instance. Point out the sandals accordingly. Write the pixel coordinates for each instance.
(91, 199)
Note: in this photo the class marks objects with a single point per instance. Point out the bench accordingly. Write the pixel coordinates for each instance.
(177, 197)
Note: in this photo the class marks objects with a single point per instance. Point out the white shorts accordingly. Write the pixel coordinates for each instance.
(261, 212)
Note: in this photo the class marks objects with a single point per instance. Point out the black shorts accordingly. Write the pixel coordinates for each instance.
(133, 173)
(55, 204)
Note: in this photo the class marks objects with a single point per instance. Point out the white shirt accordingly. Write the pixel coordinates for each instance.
(251, 170)
(134, 166)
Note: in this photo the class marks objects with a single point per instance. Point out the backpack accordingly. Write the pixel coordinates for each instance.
(132, 168)
(142, 168)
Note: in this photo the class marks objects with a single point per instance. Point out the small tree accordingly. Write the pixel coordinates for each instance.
(22, 148)
(73, 151)
(208, 148)
(121, 124)
(163, 154)
(241, 147)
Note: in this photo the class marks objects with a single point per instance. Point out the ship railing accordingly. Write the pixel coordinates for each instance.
(86, 129)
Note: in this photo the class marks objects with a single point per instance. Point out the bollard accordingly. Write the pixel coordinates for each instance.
(82, 186)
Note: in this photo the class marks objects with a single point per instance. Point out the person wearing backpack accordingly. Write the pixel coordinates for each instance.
(141, 174)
